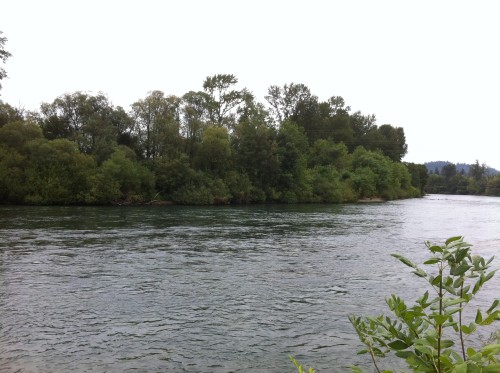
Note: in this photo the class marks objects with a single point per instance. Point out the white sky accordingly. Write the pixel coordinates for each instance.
(431, 67)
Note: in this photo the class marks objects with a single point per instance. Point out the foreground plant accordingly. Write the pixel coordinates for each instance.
(431, 335)
(299, 366)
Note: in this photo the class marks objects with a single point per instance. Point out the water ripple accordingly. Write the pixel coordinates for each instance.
(209, 289)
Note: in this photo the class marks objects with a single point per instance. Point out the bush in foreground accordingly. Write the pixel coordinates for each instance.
(431, 335)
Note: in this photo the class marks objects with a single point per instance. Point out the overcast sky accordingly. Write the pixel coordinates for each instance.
(431, 67)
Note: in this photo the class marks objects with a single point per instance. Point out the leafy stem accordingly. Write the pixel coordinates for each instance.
(419, 334)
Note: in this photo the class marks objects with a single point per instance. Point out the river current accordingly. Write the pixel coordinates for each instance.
(214, 289)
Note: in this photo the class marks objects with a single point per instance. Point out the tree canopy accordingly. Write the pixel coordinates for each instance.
(4, 55)
(215, 145)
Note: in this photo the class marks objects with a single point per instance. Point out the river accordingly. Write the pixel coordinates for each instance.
(213, 289)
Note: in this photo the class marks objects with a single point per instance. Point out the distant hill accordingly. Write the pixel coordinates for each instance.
(464, 168)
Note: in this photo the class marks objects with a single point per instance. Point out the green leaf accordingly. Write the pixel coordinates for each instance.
(492, 368)
(493, 305)
(398, 345)
(404, 260)
(436, 249)
(461, 254)
(479, 317)
(460, 270)
(461, 368)
(445, 343)
(489, 275)
(432, 261)
(404, 354)
(468, 329)
(471, 352)
(440, 319)
(427, 350)
(493, 349)
(452, 239)
(436, 281)
(420, 273)
(491, 317)
(452, 302)
(355, 369)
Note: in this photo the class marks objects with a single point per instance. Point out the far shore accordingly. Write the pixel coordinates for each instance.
(371, 200)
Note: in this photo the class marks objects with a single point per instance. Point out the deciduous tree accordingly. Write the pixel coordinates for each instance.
(158, 123)
(4, 55)
(223, 100)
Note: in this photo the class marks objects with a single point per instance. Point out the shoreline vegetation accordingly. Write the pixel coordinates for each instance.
(215, 146)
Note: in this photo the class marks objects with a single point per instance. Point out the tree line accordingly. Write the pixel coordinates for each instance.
(478, 180)
(217, 145)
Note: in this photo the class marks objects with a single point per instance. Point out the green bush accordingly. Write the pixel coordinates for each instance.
(431, 336)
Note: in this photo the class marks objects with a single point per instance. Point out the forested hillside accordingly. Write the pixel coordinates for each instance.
(450, 178)
(217, 145)
(436, 167)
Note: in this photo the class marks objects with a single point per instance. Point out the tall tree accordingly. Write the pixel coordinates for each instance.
(286, 101)
(4, 55)
(478, 175)
(82, 118)
(223, 100)
(255, 153)
(10, 114)
(392, 142)
(362, 126)
(214, 153)
(158, 123)
(292, 150)
(194, 118)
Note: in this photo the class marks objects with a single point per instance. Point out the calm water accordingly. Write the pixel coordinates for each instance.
(212, 289)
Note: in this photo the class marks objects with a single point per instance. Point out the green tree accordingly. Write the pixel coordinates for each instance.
(479, 180)
(292, 151)
(222, 100)
(172, 175)
(290, 101)
(255, 153)
(326, 152)
(493, 186)
(203, 189)
(12, 177)
(338, 128)
(419, 176)
(4, 55)
(459, 184)
(362, 126)
(90, 121)
(325, 184)
(10, 114)
(392, 142)
(158, 124)
(194, 118)
(15, 135)
(436, 184)
(448, 171)
(121, 179)
(13, 160)
(371, 168)
(56, 172)
(214, 152)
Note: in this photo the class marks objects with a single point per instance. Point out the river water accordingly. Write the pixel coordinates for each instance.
(213, 289)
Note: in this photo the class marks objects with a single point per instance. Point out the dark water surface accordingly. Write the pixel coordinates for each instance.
(212, 289)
